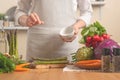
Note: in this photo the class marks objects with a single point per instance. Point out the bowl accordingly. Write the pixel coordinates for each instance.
(67, 32)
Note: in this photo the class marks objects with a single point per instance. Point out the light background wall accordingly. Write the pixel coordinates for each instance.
(6, 4)
(110, 15)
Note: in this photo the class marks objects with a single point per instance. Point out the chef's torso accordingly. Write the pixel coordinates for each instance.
(44, 40)
(55, 12)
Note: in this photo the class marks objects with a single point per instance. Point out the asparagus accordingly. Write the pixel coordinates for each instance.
(12, 42)
(60, 60)
(54, 59)
(51, 62)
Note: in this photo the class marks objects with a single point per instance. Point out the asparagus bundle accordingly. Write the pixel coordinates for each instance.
(51, 62)
(60, 60)
(53, 59)
(12, 42)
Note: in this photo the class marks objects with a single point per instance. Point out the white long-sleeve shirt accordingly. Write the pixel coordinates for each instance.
(43, 40)
(84, 6)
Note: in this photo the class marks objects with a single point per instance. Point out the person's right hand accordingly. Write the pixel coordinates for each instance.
(31, 20)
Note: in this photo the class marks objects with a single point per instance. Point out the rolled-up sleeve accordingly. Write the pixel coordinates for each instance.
(86, 10)
(23, 6)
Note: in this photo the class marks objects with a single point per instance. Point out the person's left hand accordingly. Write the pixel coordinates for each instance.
(76, 27)
(68, 39)
(76, 30)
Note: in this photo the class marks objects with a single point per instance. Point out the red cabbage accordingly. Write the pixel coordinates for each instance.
(108, 43)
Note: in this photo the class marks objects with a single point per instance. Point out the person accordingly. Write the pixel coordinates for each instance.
(45, 19)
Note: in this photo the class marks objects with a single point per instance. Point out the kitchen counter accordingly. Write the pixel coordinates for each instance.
(58, 74)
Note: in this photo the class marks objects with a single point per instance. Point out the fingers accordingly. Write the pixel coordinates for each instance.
(68, 39)
(76, 30)
(32, 16)
(37, 18)
(33, 19)
(30, 22)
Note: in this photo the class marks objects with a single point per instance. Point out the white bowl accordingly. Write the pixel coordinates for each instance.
(67, 32)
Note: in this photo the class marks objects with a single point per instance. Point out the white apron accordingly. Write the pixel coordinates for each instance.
(43, 40)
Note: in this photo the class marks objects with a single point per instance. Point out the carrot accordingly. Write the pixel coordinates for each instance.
(89, 64)
(87, 61)
(22, 65)
(20, 68)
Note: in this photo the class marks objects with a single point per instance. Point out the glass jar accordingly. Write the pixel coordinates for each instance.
(116, 60)
(6, 21)
(106, 60)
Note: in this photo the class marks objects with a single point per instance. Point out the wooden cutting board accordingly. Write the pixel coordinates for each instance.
(50, 66)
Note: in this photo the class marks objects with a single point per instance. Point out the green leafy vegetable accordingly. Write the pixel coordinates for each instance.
(6, 64)
(93, 34)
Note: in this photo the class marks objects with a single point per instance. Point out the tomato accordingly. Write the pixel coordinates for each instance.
(106, 36)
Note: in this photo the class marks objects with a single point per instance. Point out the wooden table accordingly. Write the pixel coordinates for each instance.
(58, 74)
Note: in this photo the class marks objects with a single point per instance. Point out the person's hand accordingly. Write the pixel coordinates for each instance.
(68, 39)
(30, 20)
(76, 27)
(33, 19)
